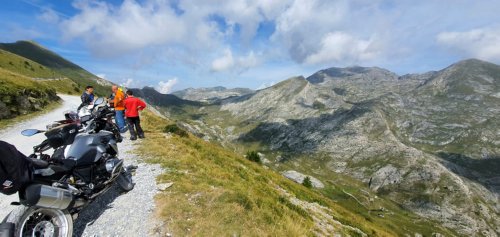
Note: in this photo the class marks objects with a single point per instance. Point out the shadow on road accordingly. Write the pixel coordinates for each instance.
(92, 212)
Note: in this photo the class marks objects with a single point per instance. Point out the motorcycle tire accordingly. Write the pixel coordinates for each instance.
(34, 221)
(125, 181)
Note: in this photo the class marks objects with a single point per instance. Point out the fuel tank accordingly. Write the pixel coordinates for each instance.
(89, 148)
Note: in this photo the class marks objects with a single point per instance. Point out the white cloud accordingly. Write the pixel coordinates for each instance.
(248, 61)
(48, 15)
(154, 25)
(341, 47)
(483, 43)
(228, 63)
(223, 63)
(224, 36)
(110, 30)
(128, 83)
(166, 87)
(304, 23)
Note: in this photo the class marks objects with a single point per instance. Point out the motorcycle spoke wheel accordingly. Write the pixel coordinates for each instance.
(45, 223)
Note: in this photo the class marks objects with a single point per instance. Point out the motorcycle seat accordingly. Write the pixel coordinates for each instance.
(39, 164)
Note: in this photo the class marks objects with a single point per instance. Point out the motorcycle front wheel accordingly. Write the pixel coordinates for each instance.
(43, 222)
(125, 181)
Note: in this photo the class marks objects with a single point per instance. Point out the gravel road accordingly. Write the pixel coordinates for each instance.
(113, 213)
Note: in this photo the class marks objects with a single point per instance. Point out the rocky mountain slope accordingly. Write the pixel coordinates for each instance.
(210, 94)
(213, 191)
(428, 142)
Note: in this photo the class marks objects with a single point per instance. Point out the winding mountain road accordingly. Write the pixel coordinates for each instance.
(111, 214)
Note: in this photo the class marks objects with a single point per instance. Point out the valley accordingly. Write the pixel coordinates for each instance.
(427, 143)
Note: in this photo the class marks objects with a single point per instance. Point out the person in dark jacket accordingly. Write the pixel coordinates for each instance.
(132, 107)
(87, 97)
(14, 169)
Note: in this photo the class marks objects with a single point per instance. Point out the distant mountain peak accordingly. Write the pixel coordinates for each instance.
(349, 72)
(210, 94)
(472, 61)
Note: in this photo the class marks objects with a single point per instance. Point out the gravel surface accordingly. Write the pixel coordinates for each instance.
(12, 135)
(123, 214)
(113, 213)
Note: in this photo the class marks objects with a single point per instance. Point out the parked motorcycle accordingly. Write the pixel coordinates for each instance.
(55, 188)
(99, 115)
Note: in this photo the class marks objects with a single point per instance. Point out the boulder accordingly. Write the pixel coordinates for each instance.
(299, 178)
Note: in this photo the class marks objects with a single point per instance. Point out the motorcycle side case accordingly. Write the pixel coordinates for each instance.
(87, 149)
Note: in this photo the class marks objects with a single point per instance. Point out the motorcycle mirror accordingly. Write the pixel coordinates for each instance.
(30, 132)
(99, 101)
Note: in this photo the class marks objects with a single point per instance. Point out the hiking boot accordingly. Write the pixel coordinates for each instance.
(133, 138)
(142, 136)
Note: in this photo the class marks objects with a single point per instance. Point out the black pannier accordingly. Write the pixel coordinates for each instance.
(62, 135)
(15, 169)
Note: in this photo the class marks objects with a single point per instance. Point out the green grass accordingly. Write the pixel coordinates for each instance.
(14, 66)
(56, 63)
(14, 86)
(24, 66)
(63, 86)
(11, 83)
(217, 192)
(395, 216)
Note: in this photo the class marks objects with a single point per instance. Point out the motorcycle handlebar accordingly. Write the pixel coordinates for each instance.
(41, 146)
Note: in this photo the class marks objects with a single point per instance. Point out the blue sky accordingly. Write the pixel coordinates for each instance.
(175, 44)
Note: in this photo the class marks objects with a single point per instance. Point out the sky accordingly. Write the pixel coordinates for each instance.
(176, 44)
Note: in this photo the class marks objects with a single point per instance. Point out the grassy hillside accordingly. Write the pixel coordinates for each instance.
(20, 95)
(217, 192)
(42, 74)
(58, 64)
(24, 66)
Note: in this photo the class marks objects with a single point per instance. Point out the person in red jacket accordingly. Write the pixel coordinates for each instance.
(132, 106)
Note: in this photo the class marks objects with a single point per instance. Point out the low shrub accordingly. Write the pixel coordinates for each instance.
(253, 156)
(174, 129)
(307, 182)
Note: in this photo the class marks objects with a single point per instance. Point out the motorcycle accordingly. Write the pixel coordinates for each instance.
(99, 112)
(84, 165)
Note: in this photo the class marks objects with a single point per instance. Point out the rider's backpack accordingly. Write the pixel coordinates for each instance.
(14, 169)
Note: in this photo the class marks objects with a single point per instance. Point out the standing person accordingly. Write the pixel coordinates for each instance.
(119, 108)
(111, 100)
(132, 107)
(87, 97)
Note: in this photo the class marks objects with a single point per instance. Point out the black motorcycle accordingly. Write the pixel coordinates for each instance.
(56, 187)
(100, 117)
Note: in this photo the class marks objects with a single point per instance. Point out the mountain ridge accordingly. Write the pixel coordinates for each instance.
(35, 52)
(211, 94)
(418, 139)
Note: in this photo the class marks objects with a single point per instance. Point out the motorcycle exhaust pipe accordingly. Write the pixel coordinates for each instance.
(39, 195)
